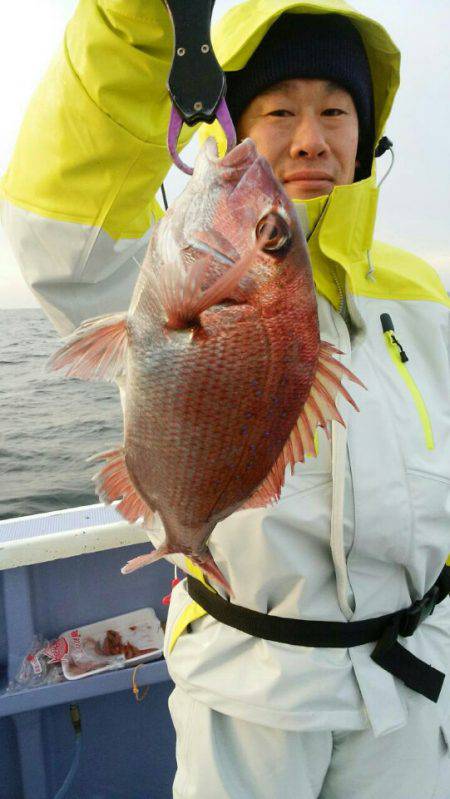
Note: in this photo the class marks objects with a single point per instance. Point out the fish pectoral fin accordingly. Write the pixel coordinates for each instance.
(319, 409)
(95, 351)
(113, 482)
(182, 295)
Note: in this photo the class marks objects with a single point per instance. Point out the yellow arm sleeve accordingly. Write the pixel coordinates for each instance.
(92, 147)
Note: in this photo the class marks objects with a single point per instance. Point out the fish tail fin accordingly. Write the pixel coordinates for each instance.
(113, 482)
(205, 562)
(208, 565)
(95, 351)
(319, 409)
(183, 297)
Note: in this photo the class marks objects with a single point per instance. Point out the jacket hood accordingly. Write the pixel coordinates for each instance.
(240, 31)
(341, 226)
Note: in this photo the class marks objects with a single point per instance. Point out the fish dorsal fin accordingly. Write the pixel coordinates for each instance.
(113, 482)
(319, 409)
(95, 351)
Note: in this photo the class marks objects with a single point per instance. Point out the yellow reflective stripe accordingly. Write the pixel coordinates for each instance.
(316, 441)
(193, 611)
(447, 562)
(189, 614)
(412, 387)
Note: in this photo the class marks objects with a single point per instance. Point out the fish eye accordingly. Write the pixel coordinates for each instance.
(276, 228)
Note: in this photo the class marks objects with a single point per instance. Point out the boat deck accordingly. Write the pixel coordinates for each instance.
(59, 571)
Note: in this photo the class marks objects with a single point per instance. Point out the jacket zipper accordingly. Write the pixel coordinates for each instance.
(341, 293)
(340, 290)
(400, 358)
(338, 460)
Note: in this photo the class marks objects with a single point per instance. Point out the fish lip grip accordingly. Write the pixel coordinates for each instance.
(196, 83)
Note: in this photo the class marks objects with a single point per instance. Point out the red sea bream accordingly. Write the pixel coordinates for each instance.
(226, 378)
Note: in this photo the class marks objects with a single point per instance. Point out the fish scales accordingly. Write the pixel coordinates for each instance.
(209, 395)
(210, 400)
(226, 379)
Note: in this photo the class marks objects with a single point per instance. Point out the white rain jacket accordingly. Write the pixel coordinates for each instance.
(361, 530)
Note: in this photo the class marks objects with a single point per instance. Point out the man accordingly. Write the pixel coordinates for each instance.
(362, 529)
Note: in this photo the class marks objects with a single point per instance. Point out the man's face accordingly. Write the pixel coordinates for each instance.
(308, 131)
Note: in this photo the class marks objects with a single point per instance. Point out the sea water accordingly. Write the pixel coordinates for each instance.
(49, 424)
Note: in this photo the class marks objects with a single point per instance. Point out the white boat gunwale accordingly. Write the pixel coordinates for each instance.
(43, 537)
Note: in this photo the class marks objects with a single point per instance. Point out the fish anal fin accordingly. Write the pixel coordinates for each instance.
(268, 492)
(113, 482)
(95, 351)
(299, 444)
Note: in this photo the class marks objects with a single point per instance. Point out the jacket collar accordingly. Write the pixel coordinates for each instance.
(339, 230)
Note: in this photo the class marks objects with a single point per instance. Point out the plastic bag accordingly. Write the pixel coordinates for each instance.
(109, 644)
(41, 665)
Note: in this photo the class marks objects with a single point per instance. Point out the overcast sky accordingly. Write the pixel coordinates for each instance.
(415, 201)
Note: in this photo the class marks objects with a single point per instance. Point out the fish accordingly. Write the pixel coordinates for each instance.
(226, 377)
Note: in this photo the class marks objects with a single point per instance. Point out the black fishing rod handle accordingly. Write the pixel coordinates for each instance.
(196, 81)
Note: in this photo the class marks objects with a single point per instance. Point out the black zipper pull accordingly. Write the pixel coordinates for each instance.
(388, 327)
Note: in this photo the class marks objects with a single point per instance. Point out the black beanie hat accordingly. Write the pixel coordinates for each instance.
(321, 46)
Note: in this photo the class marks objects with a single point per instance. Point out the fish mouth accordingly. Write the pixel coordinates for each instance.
(240, 157)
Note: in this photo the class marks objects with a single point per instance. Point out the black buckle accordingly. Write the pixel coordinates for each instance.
(418, 612)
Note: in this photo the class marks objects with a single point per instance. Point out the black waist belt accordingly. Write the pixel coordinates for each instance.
(388, 653)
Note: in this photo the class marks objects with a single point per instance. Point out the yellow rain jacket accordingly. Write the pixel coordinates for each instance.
(361, 530)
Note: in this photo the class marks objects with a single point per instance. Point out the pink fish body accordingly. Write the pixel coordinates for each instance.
(226, 377)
